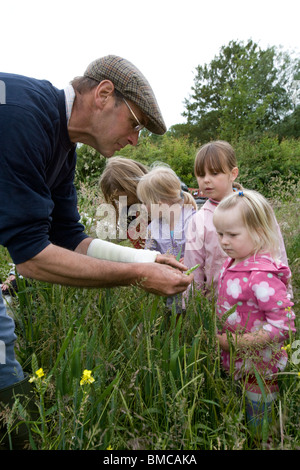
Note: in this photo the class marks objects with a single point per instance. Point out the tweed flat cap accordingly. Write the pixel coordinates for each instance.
(132, 84)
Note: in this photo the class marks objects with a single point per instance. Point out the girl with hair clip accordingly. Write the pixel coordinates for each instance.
(254, 284)
(170, 210)
(216, 171)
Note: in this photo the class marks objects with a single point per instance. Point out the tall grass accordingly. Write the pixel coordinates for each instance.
(158, 382)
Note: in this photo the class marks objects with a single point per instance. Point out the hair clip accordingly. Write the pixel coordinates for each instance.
(241, 193)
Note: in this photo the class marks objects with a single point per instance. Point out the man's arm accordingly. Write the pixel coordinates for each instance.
(108, 251)
(60, 266)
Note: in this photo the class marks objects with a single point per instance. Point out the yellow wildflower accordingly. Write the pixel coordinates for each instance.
(287, 348)
(40, 373)
(289, 312)
(87, 377)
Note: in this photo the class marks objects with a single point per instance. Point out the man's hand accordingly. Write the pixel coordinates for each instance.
(171, 261)
(163, 280)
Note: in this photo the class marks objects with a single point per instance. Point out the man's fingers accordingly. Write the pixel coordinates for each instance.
(171, 261)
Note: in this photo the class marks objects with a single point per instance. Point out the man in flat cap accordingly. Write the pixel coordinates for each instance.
(39, 128)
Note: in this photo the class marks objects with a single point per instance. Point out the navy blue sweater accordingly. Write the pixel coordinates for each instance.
(38, 202)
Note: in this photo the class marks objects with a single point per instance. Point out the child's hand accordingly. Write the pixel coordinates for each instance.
(223, 342)
(245, 341)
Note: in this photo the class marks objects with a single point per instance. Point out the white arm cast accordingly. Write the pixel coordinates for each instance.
(124, 254)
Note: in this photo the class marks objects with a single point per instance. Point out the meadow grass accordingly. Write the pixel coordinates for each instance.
(157, 383)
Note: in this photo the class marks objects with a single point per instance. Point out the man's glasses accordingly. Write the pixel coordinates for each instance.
(139, 126)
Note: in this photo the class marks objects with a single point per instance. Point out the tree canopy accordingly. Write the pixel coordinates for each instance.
(244, 92)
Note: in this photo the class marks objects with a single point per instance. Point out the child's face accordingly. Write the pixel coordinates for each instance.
(217, 185)
(234, 237)
(131, 198)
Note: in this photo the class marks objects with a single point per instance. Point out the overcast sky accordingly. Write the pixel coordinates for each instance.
(165, 39)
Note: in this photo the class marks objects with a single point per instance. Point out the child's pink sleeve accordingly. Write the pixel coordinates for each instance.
(270, 292)
(194, 247)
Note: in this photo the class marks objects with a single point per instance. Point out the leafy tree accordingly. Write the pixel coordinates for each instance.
(244, 91)
(289, 126)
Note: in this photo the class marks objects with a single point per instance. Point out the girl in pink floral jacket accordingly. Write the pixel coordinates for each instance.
(253, 302)
(257, 287)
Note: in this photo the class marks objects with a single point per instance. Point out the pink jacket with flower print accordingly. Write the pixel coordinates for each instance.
(258, 289)
(202, 247)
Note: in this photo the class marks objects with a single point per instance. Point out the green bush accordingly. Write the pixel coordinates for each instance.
(267, 160)
(89, 166)
(178, 153)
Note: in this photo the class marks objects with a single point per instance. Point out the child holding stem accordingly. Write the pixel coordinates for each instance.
(170, 209)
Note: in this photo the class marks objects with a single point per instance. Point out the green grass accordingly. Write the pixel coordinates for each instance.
(157, 385)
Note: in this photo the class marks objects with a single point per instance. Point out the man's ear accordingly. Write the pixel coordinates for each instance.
(103, 92)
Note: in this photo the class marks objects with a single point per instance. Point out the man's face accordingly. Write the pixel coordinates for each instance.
(114, 127)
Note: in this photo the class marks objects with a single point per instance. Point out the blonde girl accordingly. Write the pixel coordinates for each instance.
(170, 210)
(254, 283)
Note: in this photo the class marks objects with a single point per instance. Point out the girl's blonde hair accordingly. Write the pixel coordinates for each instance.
(216, 157)
(162, 185)
(258, 218)
(121, 175)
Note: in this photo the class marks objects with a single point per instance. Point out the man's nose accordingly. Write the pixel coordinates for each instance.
(133, 138)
